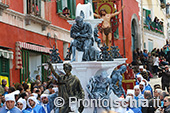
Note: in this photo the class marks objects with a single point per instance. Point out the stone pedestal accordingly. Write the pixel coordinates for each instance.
(85, 70)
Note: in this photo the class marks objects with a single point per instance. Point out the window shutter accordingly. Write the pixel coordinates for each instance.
(25, 64)
(45, 73)
(147, 13)
(72, 7)
(59, 6)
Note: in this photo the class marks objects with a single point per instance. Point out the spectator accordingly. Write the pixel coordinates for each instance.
(4, 83)
(150, 62)
(156, 64)
(45, 103)
(147, 86)
(33, 105)
(148, 21)
(165, 74)
(142, 87)
(139, 79)
(167, 104)
(66, 12)
(49, 90)
(10, 105)
(38, 79)
(21, 104)
(130, 92)
(137, 95)
(150, 108)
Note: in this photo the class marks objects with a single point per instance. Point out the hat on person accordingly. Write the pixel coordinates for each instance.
(143, 83)
(43, 95)
(23, 101)
(55, 89)
(35, 95)
(34, 99)
(130, 91)
(141, 67)
(9, 97)
(136, 87)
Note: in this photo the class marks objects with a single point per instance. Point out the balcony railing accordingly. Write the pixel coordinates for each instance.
(153, 26)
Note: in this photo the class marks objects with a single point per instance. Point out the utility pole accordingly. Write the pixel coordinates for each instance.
(124, 51)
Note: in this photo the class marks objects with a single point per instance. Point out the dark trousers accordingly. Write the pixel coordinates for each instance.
(155, 69)
(165, 86)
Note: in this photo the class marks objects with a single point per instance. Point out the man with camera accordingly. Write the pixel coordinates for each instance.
(165, 74)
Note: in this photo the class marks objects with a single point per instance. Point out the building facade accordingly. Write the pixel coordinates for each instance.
(154, 28)
(30, 28)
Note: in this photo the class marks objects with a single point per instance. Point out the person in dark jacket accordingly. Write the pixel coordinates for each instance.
(165, 74)
(167, 104)
(150, 107)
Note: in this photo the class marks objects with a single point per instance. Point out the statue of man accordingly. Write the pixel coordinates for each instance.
(106, 26)
(81, 32)
(69, 87)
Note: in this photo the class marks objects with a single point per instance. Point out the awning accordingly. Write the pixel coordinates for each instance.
(6, 54)
(24, 45)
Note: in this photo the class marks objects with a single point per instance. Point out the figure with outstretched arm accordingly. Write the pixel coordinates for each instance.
(69, 86)
(106, 25)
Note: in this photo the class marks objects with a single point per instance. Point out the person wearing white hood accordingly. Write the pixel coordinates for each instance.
(142, 87)
(139, 79)
(137, 95)
(9, 105)
(134, 108)
(34, 106)
(21, 104)
(147, 86)
(45, 103)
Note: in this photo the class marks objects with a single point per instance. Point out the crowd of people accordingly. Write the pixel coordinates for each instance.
(36, 97)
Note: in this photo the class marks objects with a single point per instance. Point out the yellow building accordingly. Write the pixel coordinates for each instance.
(154, 33)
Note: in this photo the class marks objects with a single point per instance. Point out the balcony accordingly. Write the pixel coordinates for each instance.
(156, 27)
(3, 5)
(34, 14)
(32, 18)
(163, 4)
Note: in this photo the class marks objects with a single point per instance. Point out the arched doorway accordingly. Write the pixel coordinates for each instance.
(135, 34)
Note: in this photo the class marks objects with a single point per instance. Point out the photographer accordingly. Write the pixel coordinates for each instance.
(165, 74)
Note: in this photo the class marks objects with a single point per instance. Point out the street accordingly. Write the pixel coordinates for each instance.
(155, 80)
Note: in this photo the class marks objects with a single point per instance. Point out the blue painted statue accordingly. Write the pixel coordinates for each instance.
(116, 76)
(98, 88)
(101, 86)
(81, 33)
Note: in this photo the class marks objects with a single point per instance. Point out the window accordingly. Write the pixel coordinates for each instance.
(34, 7)
(70, 4)
(4, 66)
(150, 45)
(145, 14)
